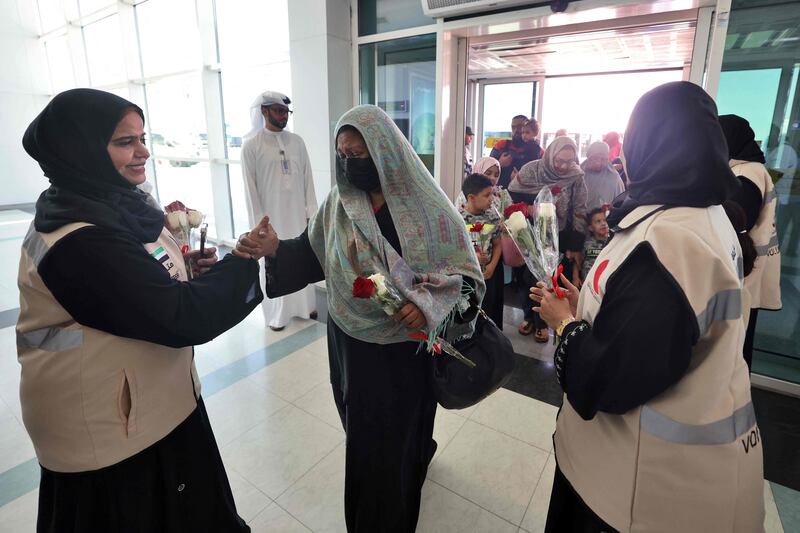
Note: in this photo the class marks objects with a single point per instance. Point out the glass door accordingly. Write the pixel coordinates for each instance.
(760, 81)
(501, 101)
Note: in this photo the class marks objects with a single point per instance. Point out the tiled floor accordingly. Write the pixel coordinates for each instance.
(271, 406)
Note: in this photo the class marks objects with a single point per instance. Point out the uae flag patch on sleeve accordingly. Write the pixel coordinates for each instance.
(160, 254)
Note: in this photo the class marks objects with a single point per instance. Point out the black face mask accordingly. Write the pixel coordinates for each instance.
(362, 173)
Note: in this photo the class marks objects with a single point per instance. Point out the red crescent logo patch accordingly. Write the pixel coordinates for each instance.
(597, 273)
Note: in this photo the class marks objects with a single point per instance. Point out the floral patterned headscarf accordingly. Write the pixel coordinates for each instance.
(437, 255)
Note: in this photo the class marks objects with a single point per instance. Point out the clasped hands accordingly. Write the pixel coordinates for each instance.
(261, 241)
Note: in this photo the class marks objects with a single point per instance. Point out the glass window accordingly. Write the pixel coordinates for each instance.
(241, 222)
(52, 14)
(59, 59)
(170, 40)
(379, 16)
(400, 77)
(752, 94)
(104, 51)
(252, 32)
(177, 117)
(239, 88)
(189, 182)
(760, 82)
(91, 6)
(565, 105)
(502, 102)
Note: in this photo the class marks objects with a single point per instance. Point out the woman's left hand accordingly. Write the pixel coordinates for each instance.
(411, 316)
(553, 310)
(201, 263)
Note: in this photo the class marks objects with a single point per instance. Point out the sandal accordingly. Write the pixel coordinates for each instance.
(542, 336)
(526, 328)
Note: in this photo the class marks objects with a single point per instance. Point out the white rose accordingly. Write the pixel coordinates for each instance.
(174, 220)
(183, 220)
(547, 210)
(380, 283)
(516, 222)
(195, 218)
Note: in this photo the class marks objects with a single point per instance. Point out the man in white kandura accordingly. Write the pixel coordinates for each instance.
(278, 183)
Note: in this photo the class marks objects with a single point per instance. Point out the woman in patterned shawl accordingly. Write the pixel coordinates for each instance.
(385, 216)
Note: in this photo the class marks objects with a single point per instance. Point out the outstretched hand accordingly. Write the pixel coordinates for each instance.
(261, 241)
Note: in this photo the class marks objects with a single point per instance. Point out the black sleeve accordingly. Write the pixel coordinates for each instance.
(750, 199)
(110, 283)
(294, 266)
(495, 153)
(639, 345)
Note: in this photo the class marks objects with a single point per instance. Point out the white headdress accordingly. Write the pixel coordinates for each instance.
(256, 118)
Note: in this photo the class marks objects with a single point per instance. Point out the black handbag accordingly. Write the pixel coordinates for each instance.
(458, 386)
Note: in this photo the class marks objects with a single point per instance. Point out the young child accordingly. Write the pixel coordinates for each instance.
(595, 242)
(478, 192)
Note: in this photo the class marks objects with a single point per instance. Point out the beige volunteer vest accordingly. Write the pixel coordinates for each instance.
(690, 459)
(91, 399)
(764, 282)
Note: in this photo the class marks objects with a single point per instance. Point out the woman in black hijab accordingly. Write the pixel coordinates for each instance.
(109, 392)
(757, 200)
(657, 431)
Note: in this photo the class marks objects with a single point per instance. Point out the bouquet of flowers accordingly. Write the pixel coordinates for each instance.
(375, 287)
(180, 221)
(537, 242)
(480, 235)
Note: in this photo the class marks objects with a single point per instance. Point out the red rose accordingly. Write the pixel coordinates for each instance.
(477, 227)
(555, 190)
(513, 208)
(177, 205)
(364, 288)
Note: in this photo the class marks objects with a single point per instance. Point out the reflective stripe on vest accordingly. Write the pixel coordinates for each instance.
(50, 339)
(722, 431)
(34, 246)
(764, 250)
(725, 305)
(740, 267)
(769, 196)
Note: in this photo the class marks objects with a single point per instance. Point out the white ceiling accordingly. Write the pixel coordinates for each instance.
(650, 47)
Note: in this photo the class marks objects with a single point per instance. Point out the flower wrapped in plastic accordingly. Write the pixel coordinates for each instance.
(375, 287)
(537, 242)
(545, 233)
(480, 234)
(180, 220)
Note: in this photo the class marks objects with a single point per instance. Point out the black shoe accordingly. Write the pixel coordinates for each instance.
(313, 315)
(277, 328)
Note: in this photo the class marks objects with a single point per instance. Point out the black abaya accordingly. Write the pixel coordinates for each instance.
(384, 398)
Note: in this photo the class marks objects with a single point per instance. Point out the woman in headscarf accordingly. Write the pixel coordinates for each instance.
(558, 170)
(109, 391)
(489, 167)
(614, 145)
(385, 216)
(757, 199)
(603, 183)
(657, 430)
